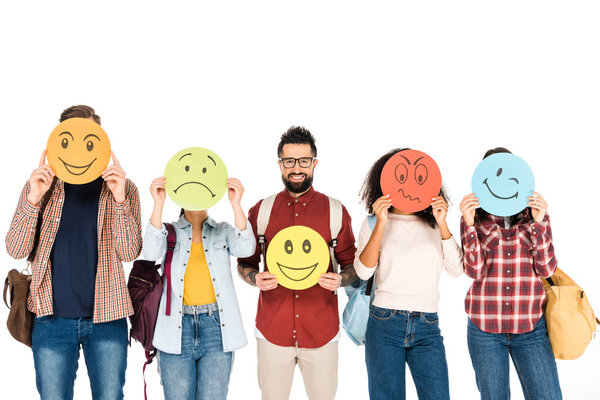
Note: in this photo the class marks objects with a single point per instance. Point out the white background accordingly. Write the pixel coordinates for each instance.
(450, 78)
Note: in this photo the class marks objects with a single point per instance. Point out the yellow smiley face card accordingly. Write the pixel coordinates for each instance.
(78, 150)
(297, 256)
(196, 178)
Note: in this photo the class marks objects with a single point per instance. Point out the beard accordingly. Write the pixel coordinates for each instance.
(298, 187)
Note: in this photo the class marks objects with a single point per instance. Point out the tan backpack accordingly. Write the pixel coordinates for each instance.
(569, 316)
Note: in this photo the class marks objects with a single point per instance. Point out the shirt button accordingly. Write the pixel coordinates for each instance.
(508, 254)
(303, 204)
(296, 201)
(188, 251)
(507, 288)
(294, 331)
(297, 296)
(508, 271)
(223, 325)
(203, 237)
(213, 279)
(294, 336)
(297, 315)
(209, 264)
(506, 303)
(179, 296)
(221, 310)
(472, 235)
(179, 327)
(289, 204)
(182, 280)
(296, 214)
(205, 249)
(217, 294)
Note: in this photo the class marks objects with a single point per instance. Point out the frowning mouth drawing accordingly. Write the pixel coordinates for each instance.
(194, 183)
(409, 196)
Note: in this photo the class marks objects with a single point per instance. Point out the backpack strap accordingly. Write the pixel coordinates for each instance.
(372, 219)
(171, 240)
(335, 225)
(262, 220)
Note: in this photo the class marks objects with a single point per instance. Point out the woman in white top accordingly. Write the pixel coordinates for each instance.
(408, 251)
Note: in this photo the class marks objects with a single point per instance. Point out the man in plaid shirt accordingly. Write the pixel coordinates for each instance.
(507, 257)
(78, 290)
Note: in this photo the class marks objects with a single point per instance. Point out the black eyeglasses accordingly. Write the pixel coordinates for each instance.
(304, 162)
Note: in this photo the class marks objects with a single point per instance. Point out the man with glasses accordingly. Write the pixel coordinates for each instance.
(299, 326)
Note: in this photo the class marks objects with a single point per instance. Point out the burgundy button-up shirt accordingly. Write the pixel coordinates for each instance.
(307, 318)
(507, 295)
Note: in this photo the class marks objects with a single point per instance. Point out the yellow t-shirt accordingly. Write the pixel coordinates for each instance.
(198, 288)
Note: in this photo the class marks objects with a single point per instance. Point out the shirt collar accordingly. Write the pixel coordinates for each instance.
(305, 198)
(183, 223)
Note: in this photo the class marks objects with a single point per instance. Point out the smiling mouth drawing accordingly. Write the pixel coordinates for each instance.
(311, 268)
(197, 183)
(516, 195)
(408, 196)
(73, 168)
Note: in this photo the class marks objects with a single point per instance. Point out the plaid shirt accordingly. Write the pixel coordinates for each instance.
(119, 239)
(507, 295)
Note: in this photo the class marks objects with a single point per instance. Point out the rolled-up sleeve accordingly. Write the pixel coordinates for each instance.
(363, 271)
(155, 242)
(241, 243)
(452, 257)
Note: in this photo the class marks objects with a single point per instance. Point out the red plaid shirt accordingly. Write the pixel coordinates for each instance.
(119, 239)
(507, 295)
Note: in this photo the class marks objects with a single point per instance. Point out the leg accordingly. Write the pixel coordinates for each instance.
(385, 354)
(105, 352)
(319, 369)
(275, 370)
(178, 371)
(213, 367)
(535, 364)
(426, 357)
(489, 355)
(55, 354)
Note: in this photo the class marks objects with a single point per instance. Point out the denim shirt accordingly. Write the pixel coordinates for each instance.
(220, 241)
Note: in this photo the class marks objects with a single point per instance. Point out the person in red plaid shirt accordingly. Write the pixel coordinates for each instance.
(507, 256)
(78, 290)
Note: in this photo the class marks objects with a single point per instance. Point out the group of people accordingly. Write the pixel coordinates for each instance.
(79, 296)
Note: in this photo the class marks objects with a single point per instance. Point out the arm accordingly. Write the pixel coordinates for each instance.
(474, 260)
(344, 254)
(543, 249)
(365, 271)
(240, 239)
(127, 225)
(248, 266)
(451, 253)
(20, 236)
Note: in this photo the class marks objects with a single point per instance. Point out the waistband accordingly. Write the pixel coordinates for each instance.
(203, 309)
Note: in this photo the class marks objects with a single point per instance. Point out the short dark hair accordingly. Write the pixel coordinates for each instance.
(80, 111)
(297, 135)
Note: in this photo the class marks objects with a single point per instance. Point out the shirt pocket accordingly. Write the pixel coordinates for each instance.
(220, 250)
(525, 240)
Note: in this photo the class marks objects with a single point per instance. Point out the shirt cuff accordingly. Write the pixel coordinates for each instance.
(121, 208)
(155, 231)
(31, 210)
(538, 229)
(362, 270)
(470, 238)
(245, 234)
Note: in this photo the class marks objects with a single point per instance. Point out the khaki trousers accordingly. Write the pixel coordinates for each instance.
(276, 366)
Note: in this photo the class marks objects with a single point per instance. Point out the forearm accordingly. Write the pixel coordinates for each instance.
(248, 273)
(348, 274)
(240, 217)
(156, 217)
(444, 230)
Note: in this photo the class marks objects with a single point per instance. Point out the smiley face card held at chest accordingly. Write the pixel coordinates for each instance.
(297, 256)
(78, 150)
(502, 182)
(196, 178)
(412, 179)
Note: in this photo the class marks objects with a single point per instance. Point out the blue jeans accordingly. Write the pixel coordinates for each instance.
(531, 354)
(395, 338)
(202, 369)
(56, 343)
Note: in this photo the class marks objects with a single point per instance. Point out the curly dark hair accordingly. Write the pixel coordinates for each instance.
(481, 214)
(297, 135)
(370, 190)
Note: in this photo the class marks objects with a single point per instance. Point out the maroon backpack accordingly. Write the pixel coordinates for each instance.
(145, 287)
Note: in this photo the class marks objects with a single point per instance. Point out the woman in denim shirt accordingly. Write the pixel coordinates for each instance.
(196, 341)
